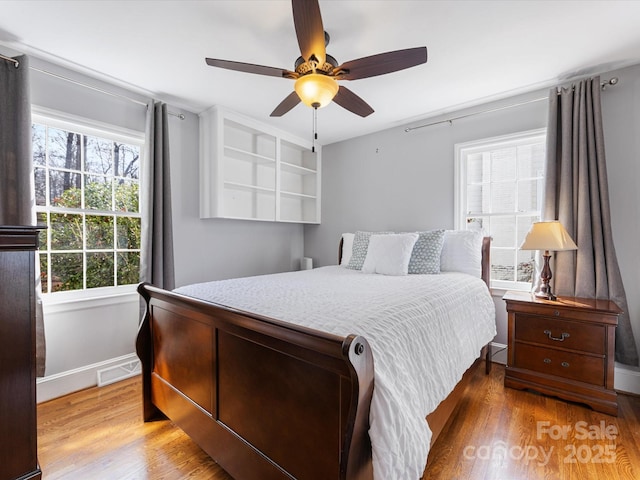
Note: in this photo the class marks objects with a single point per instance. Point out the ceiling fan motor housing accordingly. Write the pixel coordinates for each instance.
(302, 67)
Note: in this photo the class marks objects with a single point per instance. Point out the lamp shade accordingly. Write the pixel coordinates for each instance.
(316, 90)
(548, 236)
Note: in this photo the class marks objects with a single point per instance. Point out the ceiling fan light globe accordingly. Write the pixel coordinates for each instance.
(316, 90)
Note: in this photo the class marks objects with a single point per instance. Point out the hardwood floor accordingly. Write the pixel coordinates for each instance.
(499, 433)
(99, 434)
(495, 434)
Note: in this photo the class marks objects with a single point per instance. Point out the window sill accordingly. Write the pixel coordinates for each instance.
(99, 295)
(499, 291)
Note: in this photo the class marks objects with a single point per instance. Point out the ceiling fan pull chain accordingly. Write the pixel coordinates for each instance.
(315, 129)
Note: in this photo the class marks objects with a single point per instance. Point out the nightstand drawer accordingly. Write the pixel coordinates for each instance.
(560, 333)
(574, 366)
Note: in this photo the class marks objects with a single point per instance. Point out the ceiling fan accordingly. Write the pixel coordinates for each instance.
(316, 72)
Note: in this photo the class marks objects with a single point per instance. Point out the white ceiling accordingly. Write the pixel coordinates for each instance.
(478, 50)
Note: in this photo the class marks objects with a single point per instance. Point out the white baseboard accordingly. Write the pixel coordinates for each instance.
(626, 379)
(499, 353)
(63, 383)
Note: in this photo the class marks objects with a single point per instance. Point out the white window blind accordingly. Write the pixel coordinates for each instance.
(499, 190)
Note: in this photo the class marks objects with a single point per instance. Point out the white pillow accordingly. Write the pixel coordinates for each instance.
(462, 252)
(389, 254)
(359, 250)
(347, 248)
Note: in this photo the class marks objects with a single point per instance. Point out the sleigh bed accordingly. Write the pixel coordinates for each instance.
(270, 399)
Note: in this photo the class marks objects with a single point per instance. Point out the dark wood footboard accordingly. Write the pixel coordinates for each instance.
(265, 399)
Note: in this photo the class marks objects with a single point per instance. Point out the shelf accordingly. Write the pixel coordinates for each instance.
(293, 168)
(248, 202)
(305, 222)
(298, 208)
(253, 171)
(252, 157)
(299, 195)
(247, 139)
(244, 186)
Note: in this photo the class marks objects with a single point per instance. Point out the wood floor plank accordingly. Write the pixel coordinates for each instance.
(494, 434)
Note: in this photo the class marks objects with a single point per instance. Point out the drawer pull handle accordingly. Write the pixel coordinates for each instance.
(565, 364)
(547, 360)
(561, 338)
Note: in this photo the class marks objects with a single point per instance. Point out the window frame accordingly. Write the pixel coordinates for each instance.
(89, 127)
(462, 151)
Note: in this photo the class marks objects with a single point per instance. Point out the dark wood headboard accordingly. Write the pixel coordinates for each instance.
(486, 258)
(486, 261)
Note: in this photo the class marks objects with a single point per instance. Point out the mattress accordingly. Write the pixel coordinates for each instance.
(424, 331)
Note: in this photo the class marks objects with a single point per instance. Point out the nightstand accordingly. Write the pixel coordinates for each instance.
(563, 348)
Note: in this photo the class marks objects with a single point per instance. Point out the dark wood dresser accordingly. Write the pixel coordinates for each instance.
(563, 348)
(18, 455)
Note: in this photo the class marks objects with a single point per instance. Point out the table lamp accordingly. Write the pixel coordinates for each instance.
(547, 236)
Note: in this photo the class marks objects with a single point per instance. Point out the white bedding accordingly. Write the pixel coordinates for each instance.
(424, 331)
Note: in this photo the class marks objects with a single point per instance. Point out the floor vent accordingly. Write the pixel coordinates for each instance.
(116, 373)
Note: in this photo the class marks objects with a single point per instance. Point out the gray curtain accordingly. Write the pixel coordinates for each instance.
(17, 198)
(156, 264)
(16, 190)
(577, 194)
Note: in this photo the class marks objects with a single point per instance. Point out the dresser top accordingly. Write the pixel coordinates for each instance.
(19, 237)
(594, 304)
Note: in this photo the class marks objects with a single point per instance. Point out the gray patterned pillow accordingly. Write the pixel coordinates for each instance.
(425, 258)
(359, 250)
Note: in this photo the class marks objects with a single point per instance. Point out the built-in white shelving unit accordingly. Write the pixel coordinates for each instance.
(251, 171)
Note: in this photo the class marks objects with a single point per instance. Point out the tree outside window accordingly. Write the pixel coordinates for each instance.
(88, 194)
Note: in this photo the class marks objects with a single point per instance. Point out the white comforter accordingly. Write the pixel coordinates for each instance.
(424, 331)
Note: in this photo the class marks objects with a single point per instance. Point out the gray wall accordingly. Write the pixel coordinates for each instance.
(392, 180)
(401, 181)
(214, 249)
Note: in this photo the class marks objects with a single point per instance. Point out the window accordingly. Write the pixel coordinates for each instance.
(499, 190)
(87, 193)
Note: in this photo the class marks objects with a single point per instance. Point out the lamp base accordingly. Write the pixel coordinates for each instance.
(545, 277)
(545, 295)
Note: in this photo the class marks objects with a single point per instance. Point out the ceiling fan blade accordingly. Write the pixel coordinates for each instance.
(251, 68)
(287, 104)
(309, 30)
(381, 63)
(352, 102)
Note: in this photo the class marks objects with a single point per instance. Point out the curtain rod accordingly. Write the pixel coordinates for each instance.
(91, 87)
(16, 63)
(603, 86)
